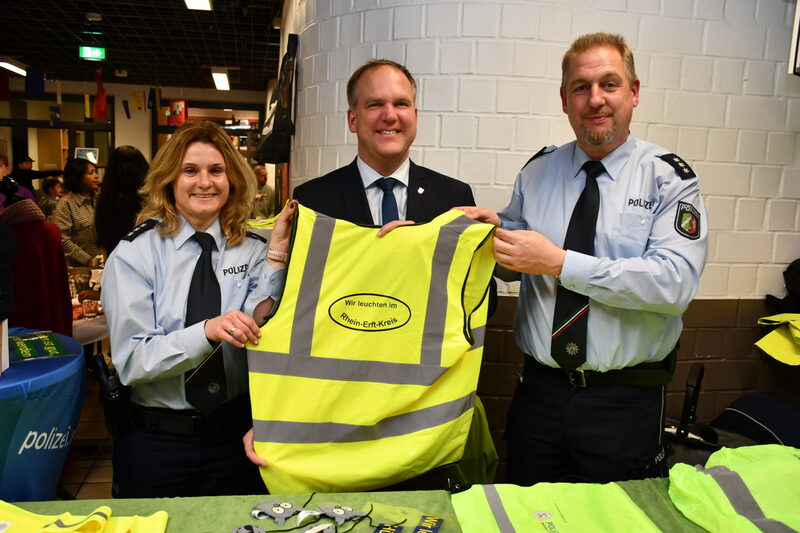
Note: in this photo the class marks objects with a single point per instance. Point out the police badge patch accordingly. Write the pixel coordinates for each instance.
(687, 221)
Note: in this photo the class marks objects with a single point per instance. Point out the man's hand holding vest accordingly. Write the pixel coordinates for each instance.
(528, 252)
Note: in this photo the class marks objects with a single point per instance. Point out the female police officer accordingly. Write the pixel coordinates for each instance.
(184, 284)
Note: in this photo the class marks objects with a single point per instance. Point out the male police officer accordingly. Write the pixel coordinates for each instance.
(599, 320)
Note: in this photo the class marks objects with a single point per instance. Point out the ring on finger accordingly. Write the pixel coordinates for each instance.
(232, 330)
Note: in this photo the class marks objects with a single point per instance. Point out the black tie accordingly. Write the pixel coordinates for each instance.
(388, 204)
(205, 385)
(571, 315)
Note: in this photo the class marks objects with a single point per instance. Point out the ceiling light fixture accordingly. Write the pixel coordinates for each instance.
(220, 75)
(13, 65)
(200, 5)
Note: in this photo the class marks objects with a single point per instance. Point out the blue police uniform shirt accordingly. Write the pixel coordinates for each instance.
(650, 249)
(145, 290)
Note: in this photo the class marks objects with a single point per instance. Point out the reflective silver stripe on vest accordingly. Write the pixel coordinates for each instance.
(436, 314)
(742, 500)
(282, 364)
(499, 512)
(60, 523)
(478, 335)
(322, 432)
(311, 284)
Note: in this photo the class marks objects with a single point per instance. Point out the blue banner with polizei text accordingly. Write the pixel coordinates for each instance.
(40, 402)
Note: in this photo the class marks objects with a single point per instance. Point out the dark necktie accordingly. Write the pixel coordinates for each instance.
(205, 385)
(571, 315)
(388, 204)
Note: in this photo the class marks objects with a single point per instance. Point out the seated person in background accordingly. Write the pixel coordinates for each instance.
(21, 191)
(52, 191)
(187, 281)
(264, 206)
(41, 287)
(74, 214)
(119, 201)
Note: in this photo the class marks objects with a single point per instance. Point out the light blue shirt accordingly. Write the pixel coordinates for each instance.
(375, 194)
(647, 262)
(145, 290)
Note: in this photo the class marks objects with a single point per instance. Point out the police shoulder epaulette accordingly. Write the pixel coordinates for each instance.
(544, 150)
(256, 236)
(681, 167)
(141, 228)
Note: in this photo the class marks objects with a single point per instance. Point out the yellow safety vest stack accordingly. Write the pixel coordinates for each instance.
(14, 519)
(365, 375)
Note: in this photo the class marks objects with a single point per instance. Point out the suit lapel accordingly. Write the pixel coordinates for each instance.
(417, 206)
(353, 196)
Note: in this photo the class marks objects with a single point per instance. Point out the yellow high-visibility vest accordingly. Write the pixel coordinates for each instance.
(748, 489)
(14, 519)
(365, 374)
(556, 507)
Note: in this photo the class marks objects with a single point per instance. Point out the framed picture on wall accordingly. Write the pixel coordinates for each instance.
(87, 153)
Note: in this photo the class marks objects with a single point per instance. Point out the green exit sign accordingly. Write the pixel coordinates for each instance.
(92, 53)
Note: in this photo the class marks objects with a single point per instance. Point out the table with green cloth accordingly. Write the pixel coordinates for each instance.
(221, 514)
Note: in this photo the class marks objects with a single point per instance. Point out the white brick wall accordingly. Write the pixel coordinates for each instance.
(714, 90)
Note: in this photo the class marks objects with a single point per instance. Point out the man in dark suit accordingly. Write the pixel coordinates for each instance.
(382, 114)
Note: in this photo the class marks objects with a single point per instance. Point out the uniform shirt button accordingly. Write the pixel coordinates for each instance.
(238, 283)
(643, 222)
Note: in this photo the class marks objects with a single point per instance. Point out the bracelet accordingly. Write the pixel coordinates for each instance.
(275, 255)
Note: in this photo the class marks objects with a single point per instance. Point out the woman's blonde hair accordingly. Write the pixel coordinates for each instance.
(166, 167)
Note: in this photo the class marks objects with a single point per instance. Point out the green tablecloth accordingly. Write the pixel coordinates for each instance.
(221, 514)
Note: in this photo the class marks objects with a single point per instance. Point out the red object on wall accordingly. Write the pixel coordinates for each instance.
(100, 102)
(177, 112)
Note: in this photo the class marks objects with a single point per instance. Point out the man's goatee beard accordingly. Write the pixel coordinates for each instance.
(596, 138)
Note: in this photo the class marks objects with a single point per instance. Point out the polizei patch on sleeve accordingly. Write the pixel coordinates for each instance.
(687, 221)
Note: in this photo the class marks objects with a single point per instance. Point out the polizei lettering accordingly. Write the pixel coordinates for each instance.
(641, 202)
(234, 270)
(54, 440)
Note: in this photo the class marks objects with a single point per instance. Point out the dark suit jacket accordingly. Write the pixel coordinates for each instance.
(340, 194)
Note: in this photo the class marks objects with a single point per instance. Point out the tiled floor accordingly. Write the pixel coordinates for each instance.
(87, 472)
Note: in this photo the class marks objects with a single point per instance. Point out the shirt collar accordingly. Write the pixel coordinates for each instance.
(186, 231)
(369, 175)
(79, 198)
(613, 162)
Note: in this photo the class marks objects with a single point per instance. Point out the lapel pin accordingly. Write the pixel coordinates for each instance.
(420, 190)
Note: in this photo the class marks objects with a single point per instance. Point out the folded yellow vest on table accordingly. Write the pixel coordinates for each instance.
(16, 520)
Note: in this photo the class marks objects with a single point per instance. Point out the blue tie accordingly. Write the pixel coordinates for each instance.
(388, 204)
